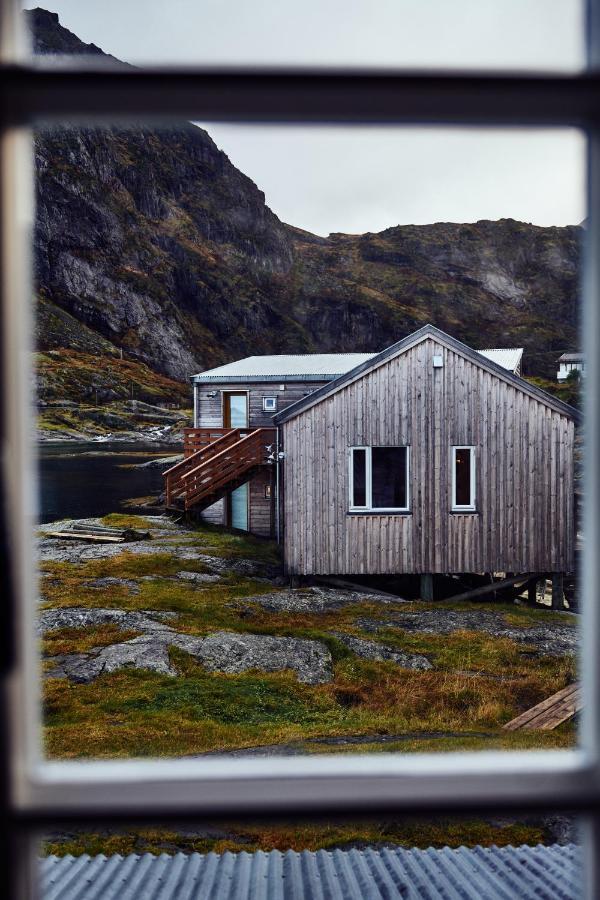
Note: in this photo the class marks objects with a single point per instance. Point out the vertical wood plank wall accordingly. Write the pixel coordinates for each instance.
(209, 414)
(209, 410)
(524, 474)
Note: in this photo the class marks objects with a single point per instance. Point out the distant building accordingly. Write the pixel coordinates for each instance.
(570, 362)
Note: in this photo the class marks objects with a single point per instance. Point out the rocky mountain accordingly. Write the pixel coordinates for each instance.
(151, 243)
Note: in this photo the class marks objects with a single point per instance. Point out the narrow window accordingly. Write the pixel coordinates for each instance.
(389, 477)
(359, 477)
(463, 478)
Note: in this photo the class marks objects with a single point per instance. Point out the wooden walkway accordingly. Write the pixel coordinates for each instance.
(550, 712)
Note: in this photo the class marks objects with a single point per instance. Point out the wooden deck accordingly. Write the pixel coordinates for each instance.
(550, 713)
(223, 459)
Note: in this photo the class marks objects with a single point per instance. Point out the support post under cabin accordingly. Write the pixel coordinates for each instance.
(557, 591)
(427, 587)
(532, 592)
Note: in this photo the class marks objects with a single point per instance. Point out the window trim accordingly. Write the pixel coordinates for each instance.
(42, 793)
(462, 507)
(369, 508)
(266, 408)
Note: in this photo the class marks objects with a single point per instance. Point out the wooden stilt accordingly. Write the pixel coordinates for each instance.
(532, 592)
(427, 587)
(558, 601)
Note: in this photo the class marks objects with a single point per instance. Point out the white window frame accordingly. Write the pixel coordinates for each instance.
(463, 507)
(42, 793)
(266, 408)
(369, 480)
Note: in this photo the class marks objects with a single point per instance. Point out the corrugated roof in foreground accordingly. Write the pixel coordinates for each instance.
(507, 873)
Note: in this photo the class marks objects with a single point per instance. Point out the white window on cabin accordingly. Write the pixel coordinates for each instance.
(463, 479)
(269, 404)
(379, 479)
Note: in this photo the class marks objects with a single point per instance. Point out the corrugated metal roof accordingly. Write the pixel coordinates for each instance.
(571, 357)
(507, 873)
(508, 358)
(325, 365)
(329, 365)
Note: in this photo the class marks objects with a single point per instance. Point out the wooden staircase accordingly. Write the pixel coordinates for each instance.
(216, 461)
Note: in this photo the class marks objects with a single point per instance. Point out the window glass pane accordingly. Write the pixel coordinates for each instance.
(482, 34)
(359, 477)
(462, 475)
(389, 477)
(238, 410)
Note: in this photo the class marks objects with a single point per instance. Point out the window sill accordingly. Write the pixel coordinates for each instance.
(379, 512)
(464, 512)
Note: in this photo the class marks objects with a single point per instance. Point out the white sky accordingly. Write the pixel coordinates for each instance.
(367, 179)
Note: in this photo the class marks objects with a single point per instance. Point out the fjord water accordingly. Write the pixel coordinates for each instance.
(89, 479)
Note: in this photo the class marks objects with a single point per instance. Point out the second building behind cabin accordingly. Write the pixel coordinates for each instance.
(247, 394)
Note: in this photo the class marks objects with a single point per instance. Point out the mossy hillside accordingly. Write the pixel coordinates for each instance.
(65, 374)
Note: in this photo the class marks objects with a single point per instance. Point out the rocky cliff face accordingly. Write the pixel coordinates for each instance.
(151, 241)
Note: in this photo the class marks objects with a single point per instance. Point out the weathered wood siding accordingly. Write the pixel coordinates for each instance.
(209, 410)
(209, 414)
(524, 473)
(261, 509)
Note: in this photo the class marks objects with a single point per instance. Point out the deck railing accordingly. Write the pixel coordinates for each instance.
(175, 486)
(218, 470)
(221, 456)
(195, 439)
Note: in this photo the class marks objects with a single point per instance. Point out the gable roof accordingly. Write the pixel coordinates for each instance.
(571, 357)
(523, 873)
(302, 366)
(412, 340)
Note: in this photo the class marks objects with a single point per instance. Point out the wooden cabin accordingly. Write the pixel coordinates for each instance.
(428, 457)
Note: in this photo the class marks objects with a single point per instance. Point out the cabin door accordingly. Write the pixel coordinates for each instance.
(235, 415)
(238, 508)
(235, 409)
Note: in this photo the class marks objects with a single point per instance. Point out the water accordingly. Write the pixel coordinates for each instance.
(83, 480)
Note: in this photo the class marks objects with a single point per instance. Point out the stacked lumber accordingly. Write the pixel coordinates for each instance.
(99, 534)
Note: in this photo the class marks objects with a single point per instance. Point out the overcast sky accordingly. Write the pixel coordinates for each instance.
(367, 179)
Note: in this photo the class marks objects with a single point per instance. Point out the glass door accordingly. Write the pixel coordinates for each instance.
(239, 508)
(235, 409)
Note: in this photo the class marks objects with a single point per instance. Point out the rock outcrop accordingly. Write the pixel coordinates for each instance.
(150, 241)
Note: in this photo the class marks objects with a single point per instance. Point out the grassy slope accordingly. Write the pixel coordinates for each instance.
(102, 387)
(133, 712)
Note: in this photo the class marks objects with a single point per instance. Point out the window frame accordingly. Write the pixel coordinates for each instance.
(369, 508)
(460, 507)
(38, 793)
(266, 408)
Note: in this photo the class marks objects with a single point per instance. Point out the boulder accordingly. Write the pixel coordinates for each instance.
(381, 652)
(232, 653)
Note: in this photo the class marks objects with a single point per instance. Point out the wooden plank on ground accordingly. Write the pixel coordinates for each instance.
(550, 712)
(82, 536)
